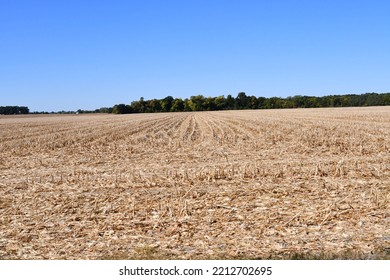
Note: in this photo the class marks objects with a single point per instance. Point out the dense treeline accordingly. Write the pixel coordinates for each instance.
(13, 110)
(242, 101)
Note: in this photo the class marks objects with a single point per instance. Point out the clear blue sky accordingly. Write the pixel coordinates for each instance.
(66, 54)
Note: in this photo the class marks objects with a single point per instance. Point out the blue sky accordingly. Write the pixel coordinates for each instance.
(67, 55)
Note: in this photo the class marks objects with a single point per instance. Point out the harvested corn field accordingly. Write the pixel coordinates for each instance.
(196, 185)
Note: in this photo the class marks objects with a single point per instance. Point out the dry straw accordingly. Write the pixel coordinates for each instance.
(307, 183)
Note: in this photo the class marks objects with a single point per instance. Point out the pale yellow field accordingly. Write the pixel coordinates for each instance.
(234, 184)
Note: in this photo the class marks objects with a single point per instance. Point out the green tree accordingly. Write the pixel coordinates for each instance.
(154, 106)
(177, 105)
(261, 102)
(196, 103)
(209, 104)
(374, 99)
(121, 109)
(136, 107)
(166, 103)
(187, 106)
(220, 103)
(242, 101)
(253, 104)
(230, 102)
(14, 110)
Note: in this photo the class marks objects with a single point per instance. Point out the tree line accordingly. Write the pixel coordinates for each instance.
(243, 101)
(13, 110)
(240, 102)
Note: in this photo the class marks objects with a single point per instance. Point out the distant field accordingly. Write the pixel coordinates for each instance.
(297, 183)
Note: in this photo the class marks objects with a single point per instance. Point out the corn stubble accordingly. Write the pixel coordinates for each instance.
(312, 183)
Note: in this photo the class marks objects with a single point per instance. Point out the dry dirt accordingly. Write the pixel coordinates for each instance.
(310, 183)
